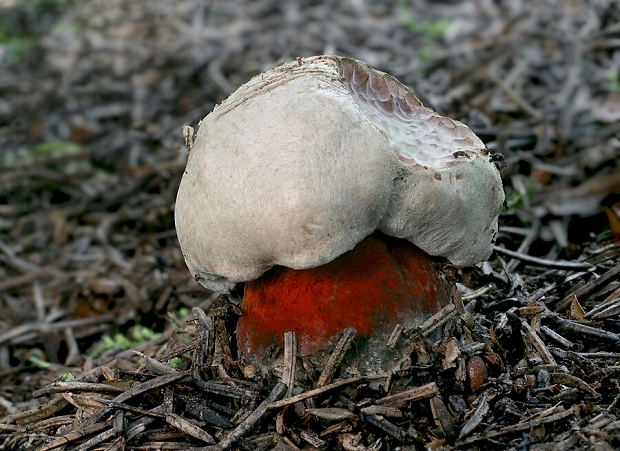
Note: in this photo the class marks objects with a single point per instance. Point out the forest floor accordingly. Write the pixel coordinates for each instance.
(101, 323)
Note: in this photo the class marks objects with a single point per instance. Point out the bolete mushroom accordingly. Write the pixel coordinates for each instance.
(308, 160)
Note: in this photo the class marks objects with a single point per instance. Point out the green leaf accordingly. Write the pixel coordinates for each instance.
(431, 28)
(176, 363)
(140, 334)
(54, 148)
(39, 363)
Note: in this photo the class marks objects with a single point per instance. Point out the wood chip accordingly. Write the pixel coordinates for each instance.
(394, 336)
(233, 436)
(76, 435)
(411, 395)
(435, 321)
(315, 392)
(60, 387)
(331, 413)
(384, 411)
(336, 357)
(535, 340)
(520, 427)
(476, 418)
(573, 381)
(189, 428)
(290, 360)
(589, 288)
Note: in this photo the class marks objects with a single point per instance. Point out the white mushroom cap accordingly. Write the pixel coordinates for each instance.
(304, 161)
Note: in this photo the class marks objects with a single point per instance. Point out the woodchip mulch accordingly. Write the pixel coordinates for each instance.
(106, 342)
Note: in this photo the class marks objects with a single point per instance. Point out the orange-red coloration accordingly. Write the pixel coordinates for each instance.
(382, 282)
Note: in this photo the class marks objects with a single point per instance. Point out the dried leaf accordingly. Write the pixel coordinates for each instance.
(576, 310)
(451, 353)
(477, 372)
(613, 215)
(332, 413)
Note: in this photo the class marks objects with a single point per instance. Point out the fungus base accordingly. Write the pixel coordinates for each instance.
(382, 282)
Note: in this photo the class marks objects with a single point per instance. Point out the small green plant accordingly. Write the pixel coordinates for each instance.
(522, 197)
(428, 54)
(177, 363)
(51, 151)
(174, 318)
(39, 363)
(19, 39)
(53, 148)
(18, 46)
(432, 28)
(68, 377)
(143, 334)
(140, 334)
(176, 321)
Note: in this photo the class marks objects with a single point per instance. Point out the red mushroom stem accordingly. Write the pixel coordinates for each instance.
(382, 282)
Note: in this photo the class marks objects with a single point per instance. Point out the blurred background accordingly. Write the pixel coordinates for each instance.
(94, 94)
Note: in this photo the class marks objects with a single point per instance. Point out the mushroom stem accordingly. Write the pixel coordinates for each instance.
(382, 282)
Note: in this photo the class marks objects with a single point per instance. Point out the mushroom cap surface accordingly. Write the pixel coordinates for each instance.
(306, 160)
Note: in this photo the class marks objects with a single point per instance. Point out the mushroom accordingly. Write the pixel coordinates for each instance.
(306, 161)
